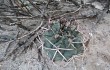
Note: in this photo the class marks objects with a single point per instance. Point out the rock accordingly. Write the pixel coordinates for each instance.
(98, 5)
(87, 1)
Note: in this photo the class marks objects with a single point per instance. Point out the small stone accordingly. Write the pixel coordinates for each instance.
(58, 0)
(87, 1)
(98, 5)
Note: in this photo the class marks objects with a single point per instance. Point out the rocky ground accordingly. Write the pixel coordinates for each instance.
(92, 22)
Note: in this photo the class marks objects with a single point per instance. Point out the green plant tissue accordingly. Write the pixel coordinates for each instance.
(58, 37)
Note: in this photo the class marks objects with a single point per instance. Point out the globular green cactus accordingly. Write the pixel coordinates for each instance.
(61, 42)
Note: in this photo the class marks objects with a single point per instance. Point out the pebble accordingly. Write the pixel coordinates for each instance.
(98, 5)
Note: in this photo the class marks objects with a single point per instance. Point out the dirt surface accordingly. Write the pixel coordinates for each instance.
(96, 37)
(96, 56)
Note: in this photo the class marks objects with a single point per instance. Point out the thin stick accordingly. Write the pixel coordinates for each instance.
(67, 13)
(31, 31)
(72, 12)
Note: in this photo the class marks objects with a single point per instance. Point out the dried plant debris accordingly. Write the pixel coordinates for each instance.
(29, 7)
(20, 45)
(61, 42)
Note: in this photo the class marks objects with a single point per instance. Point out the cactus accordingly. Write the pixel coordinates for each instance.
(61, 43)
